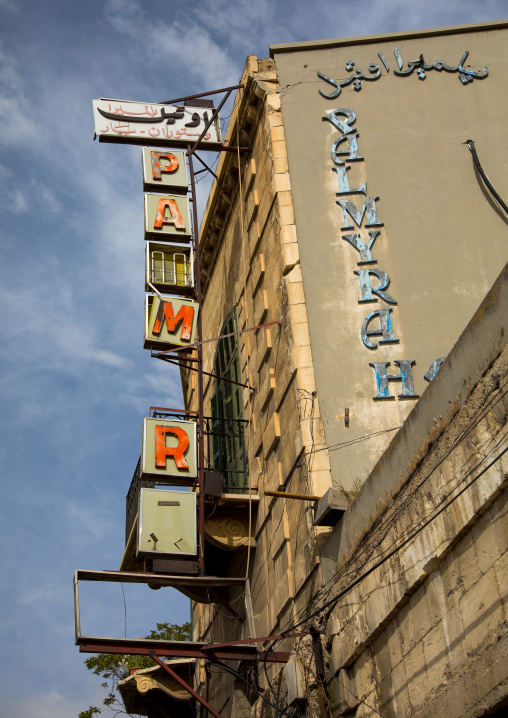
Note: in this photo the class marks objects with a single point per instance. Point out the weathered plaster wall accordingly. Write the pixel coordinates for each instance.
(442, 242)
(424, 633)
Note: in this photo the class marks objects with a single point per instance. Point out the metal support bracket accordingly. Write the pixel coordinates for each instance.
(185, 685)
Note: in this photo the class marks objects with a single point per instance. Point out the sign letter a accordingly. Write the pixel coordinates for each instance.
(177, 452)
(184, 315)
(174, 217)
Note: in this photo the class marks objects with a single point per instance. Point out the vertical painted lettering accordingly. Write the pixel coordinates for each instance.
(385, 329)
(405, 377)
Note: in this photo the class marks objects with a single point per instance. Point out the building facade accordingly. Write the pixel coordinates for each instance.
(332, 499)
(344, 248)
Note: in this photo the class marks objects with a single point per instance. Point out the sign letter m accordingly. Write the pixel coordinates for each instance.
(184, 316)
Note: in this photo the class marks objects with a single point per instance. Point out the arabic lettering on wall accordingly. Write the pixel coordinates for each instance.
(420, 66)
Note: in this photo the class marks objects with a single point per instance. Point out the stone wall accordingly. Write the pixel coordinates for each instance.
(249, 244)
(424, 631)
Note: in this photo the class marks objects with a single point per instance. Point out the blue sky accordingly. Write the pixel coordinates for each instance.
(75, 380)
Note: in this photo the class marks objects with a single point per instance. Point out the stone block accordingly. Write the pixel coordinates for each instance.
(313, 432)
(484, 535)
(303, 356)
(287, 215)
(295, 292)
(284, 197)
(288, 234)
(468, 561)
(264, 341)
(254, 232)
(383, 659)
(406, 630)
(298, 314)
(290, 257)
(401, 705)
(250, 175)
(301, 336)
(453, 630)
(393, 642)
(279, 149)
(295, 276)
(273, 101)
(258, 272)
(499, 518)
(419, 614)
(278, 133)
(436, 656)
(416, 676)
(271, 437)
(275, 119)
(453, 584)
(435, 595)
(252, 206)
(280, 164)
(481, 611)
(501, 572)
(321, 481)
(282, 183)
(262, 306)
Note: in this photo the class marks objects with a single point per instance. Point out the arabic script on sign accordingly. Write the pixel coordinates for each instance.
(118, 121)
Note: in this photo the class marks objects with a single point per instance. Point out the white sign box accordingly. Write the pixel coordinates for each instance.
(159, 125)
(166, 523)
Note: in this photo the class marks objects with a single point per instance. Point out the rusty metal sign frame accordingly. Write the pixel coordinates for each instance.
(243, 650)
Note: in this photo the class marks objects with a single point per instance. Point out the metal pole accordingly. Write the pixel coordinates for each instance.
(201, 437)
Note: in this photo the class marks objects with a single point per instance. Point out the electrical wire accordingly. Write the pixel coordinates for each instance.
(470, 144)
(223, 667)
(357, 697)
(358, 580)
(395, 512)
(492, 402)
(397, 548)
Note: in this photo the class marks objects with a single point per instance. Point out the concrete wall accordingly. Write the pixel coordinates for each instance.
(424, 633)
(442, 241)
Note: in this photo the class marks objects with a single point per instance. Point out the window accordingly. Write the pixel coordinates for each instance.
(227, 413)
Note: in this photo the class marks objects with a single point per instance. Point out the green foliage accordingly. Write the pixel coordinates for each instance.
(115, 667)
(351, 493)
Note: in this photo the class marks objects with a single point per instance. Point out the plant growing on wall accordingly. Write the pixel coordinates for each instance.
(113, 667)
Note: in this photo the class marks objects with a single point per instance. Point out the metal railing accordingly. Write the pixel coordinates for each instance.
(225, 452)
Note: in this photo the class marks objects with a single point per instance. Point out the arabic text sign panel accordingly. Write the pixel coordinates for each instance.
(163, 125)
(169, 451)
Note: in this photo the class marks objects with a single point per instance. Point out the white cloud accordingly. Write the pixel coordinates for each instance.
(185, 47)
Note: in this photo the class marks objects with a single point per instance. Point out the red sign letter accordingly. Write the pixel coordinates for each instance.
(156, 164)
(184, 315)
(165, 203)
(162, 451)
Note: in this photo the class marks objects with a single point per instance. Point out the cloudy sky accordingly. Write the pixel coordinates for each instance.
(76, 382)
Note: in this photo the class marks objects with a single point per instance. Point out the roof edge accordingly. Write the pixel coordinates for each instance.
(367, 39)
